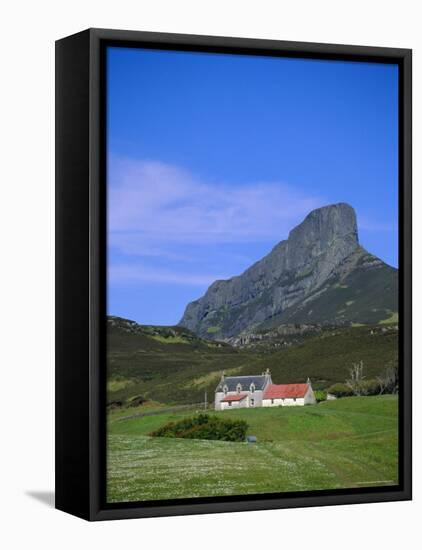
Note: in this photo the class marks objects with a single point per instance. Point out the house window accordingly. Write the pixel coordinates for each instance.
(252, 402)
(252, 388)
(225, 390)
(239, 388)
(272, 401)
(294, 399)
(230, 403)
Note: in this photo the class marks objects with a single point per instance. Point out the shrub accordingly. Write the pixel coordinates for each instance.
(204, 426)
(371, 387)
(136, 401)
(340, 390)
(320, 395)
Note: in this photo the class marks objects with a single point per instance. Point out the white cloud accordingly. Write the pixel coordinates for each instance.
(137, 273)
(153, 206)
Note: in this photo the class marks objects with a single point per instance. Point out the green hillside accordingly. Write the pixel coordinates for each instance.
(327, 358)
(171, 365)
(166, 364)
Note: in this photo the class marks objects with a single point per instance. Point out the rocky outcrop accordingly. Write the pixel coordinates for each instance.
(315, 252)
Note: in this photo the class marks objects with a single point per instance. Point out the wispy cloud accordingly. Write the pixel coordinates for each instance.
(153, 206)
(138, 273)
(167, 226)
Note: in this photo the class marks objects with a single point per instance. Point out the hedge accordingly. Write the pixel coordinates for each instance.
(204, 426)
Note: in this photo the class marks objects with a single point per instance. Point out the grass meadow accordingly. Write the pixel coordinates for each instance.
(347, 443)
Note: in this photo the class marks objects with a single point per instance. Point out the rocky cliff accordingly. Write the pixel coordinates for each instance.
(320, 274)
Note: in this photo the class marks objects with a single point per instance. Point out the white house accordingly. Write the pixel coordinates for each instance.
(241, 391)
(259, 391)
(288, 395)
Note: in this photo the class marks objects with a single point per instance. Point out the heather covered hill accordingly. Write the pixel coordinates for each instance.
(168, 364)
(171, 365)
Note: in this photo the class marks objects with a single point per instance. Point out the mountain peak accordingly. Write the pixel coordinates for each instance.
(330, 227)
(326, 224)
(293, 273)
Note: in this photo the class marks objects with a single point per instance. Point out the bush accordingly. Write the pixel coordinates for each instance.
(371, 387)
(320, 395)
(136, 401)
(367, 387)
(204, 426)
(340, 390)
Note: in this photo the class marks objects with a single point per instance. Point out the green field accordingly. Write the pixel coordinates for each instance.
(351, 442)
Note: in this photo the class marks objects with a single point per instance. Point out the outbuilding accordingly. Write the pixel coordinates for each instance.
(288, 395)
(234, 401)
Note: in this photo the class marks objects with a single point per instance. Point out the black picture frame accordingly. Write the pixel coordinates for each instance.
(81, 262)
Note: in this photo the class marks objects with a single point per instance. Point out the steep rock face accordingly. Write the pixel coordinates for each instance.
(291, 272)
(362, 289)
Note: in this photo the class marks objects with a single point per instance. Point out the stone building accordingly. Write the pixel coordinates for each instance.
(241, 391)
(259, 391)
(288, 395)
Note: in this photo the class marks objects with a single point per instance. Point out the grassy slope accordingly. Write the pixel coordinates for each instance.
(350, 442)
(160, 368)
(364, 296)
(164, 367)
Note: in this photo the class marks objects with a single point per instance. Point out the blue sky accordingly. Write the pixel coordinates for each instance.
(212, 159)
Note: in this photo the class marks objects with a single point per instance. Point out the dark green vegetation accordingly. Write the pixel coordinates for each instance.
(351, 442)
(327, 358)
(166, 364)
(204, 426)
(171, 365)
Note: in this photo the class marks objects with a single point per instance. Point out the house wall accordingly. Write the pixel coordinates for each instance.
(300, 401)
(219, 406)
(256, 396)
(310, 398)
(234, 405)
(272, 402)
(218, 397)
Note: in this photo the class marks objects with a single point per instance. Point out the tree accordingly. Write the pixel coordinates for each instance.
(356, 381)
(389, 381)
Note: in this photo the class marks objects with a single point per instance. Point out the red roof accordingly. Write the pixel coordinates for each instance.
(237, 397)
(283, 391)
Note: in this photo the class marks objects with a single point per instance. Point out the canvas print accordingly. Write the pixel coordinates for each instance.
(252, 275)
